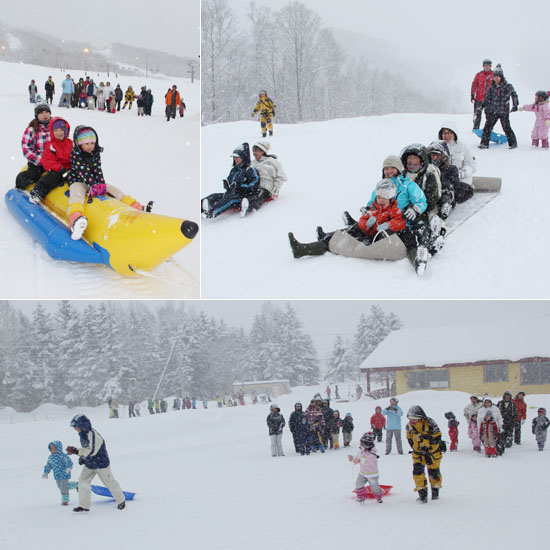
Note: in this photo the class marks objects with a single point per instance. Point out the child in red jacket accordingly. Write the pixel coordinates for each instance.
(453, 429)
(377, 423)
(55, 159)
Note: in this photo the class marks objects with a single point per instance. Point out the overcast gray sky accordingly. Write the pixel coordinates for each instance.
(170, 26)
(323, 319)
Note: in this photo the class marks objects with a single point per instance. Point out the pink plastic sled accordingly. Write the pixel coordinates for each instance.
(385, 490)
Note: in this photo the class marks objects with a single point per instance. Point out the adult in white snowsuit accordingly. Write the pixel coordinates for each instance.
(95, 461)
(272, 175)
(462, 158)
(276, 423)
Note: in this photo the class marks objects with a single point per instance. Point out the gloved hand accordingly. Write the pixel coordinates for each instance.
(547, 122)
(97, 189)
(521, 108)
(72, 450)
(514, 108)
(81, 460)
(383, 226)
(226, 185)
(371, 221)
(44, 476)
(411, 212)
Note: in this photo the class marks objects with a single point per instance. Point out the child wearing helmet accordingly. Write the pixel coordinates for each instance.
(368, 469)
(34, 139)
(276, 423)
(540, 427)
(424, 437)
(542, 119)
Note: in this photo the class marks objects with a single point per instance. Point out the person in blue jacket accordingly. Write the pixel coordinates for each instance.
(93, 456)
(61, 464)
(67, 90)
(393, 425)
(242, 182)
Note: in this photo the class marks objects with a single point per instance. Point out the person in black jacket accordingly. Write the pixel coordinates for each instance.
(509, 413)
(118, 96)
(294, 421)
(242, 182)
(440, 157)
(497, 107)
(50, 90)
(276, 423)
(347, 429)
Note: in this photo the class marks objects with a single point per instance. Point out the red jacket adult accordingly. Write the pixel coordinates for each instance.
(378, 420)
(57, 152)
(521, 407)
(169, 97)
(389, 213)
(480, 85)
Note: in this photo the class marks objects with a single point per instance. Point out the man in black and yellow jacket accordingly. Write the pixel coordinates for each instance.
(424, 437)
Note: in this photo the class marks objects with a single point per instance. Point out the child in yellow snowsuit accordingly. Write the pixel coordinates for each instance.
(424, 437)
(129, 97)
(266, 108)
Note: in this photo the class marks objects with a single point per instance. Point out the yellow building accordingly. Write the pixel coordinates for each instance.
(472, 358)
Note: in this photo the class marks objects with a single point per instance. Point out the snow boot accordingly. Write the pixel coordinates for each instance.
(149, 206)
(317, 248)
(206, 211)
(421, 260)
(482, 146)
(264, 134)
(34, 197)
(245, 205)
(270, 132)
(348, 220)
(122, 505)
(361, 494)
(435, 493)
(535, 143)
(80, 509)
(422, 496)
(77, 224)
(513, 146)
(378, 497)
(545, 144)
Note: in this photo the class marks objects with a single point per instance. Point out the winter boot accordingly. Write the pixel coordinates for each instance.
(482, 146)
(348, 220)
(77, 224)
(264, 134)
(149, 206)
(34, 197)
(361, 494)
(245, 205)
(206, 212)
(270, 132)
(534, 143)
(318, 248)
(336, 445)
(422, 496)
(80, 509)
(545, 144)
(378, 497)
(421, 260)
(320, 233)
(122, 505)
(513, 146)
(435, 493)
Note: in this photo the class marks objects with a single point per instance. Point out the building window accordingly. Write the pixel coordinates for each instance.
(496, 373)
(428, 379)
(535, 372)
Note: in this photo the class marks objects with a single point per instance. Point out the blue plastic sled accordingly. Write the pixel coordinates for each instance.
(497, 138)
(104, 492)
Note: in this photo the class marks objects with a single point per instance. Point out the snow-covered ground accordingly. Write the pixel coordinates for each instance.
(206, 479)
(501, 252)
(147, 157)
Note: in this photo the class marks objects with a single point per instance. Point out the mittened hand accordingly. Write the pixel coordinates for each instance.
(72, 450)
(371, 221)
(98, 189)
(410, 213)
(81, 461)
(384, 226)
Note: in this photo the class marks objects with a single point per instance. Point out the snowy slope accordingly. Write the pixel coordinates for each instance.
(333, 166)
(205, 479)
(146, 157)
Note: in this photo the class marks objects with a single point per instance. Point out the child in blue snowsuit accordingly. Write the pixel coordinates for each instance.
(317, 429)
(61, 464)
(303, 436)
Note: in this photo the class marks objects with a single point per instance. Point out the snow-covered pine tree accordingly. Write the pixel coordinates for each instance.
(340, 364)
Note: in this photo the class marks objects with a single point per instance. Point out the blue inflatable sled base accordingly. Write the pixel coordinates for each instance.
(497, 138)
(104, 492)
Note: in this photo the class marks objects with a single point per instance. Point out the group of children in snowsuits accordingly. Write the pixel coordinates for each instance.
(92, 456)
(53, 159)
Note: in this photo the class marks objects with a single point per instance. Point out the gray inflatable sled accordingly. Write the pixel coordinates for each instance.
(390, 248)
(486, 185)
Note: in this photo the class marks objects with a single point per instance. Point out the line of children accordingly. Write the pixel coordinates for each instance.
(368, 470)
(61, 464)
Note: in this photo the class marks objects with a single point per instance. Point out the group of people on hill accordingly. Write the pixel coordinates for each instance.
(53, 158)
(417, 192)
(492, 93)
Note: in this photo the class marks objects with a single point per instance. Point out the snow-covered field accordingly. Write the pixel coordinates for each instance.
(146, 157)
(501, 252)
(205, 479)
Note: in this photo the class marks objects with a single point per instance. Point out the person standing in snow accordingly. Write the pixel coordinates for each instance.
(472, 408)
(95, 460)
(540, 427)
(497, 418)
(328, 391)
(453, 429)
(293, 422)
(61, 464)
(378, 423)
(33, 90)
(509, 414)
(148, 102)
(118, 96)
(497, 107)
(521, 408)
(302, 436)
(488, 432)
(368, 470)
(480, 85)
(67, 90)
(276, 423)
(473, 433)
(424, 437)
(182, 108)
(336, 394)
(334, 425)
(242, 182)
(393, 426)
(542, 119)
(266, 107)
(172, 101)
(49, 86)
(347, 429)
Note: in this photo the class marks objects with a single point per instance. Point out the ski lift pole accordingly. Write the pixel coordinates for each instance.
(165, 367)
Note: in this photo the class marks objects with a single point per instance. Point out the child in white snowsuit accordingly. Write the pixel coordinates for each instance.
(542, 119)
(368, 471)
(61, 464)
(540, 427)
(473, 432)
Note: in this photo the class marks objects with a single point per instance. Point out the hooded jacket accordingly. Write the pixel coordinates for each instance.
(93, 448)
(243, 177)
(390, 214)
(497, 100)
(85, 167)
(272, 175)
(59, 462)
(394, 414)
(377, 420)
(275, 423)
(461, 157)
(57, 152)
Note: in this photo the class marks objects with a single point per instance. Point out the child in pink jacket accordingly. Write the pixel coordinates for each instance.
(368, 470)
(542, 119)
(473, 432)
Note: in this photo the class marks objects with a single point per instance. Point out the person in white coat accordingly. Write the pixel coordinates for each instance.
(488, 405)
(472, 408)
(272, 174)
(462, 158)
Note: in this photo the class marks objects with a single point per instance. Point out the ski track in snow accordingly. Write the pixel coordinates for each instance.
(501, 252)
(212, 487)
(146, 157)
